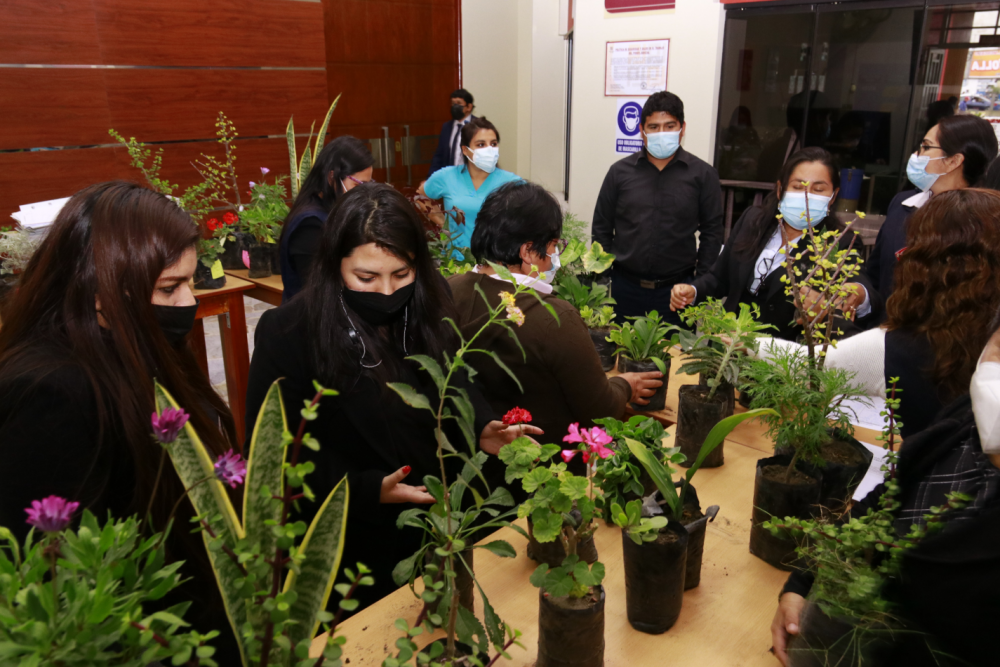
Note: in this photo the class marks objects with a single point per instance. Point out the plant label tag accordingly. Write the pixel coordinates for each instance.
(217, 271)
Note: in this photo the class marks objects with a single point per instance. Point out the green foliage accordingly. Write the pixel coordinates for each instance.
(266, 210)
(299, 167)
(452, 260)
(275, 574)
(219, 175)
(639, 528)
(719, 351)
(578, 258)
(594, 296)
(621, 474)
(574, 578)
(16, 248)
(76, 598)
(574, 229)
(809, 400)
(645, 338)
(597, 318)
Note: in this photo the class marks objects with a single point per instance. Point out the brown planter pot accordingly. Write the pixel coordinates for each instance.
(696, 417)
(654, 579)
(571, 633)
(658, 400)
(773, 497)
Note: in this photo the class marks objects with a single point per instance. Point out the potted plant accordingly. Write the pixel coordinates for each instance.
(621, 477)
(587, 263)
(562, 507)
(598, 321)
(208, 272)
(847, 619)
(569, 288)
(655, 558)
(682, 506)
(717, 354)
(641, 347)
(225, 233)
(261, 218)
(16, 248)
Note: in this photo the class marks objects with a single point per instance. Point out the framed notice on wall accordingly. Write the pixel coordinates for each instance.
(633, 69)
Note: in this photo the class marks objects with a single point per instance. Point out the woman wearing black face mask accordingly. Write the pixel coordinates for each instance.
(104, 307)
(372, 299)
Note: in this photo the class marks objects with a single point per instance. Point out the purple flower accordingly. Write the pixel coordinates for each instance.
(231, 468)
(52, 514)
(252, 185)
(167, 425)
(265, 171)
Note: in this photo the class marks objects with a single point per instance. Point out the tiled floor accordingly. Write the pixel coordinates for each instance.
(213, 344)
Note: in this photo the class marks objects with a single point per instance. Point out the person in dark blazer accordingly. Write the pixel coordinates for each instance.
(750, 267)
(343, 164)
(104, 307)
(449, 151)
(954, 154)
(373, 298)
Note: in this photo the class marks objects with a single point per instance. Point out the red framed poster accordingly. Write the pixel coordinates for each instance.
(636, 69)
(622, 6)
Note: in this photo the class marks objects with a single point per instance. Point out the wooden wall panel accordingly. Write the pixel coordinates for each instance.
(52, 107)
(168, 105)
(51, 32)
(39, 175)
(213, 33)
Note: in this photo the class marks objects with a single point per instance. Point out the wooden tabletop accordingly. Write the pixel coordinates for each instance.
(232, 285)
(268, 290)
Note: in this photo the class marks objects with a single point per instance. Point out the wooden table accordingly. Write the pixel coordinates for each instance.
(268, 290)
(227, 303)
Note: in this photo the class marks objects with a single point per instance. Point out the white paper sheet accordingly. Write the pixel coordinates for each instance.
(874, 475)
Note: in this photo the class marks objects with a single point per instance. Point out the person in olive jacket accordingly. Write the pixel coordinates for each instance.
(560, 372)
(372, 299)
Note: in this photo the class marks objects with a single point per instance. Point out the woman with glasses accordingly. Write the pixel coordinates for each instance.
(342, 165)
(519, 227)
(954, 154)
(750, 267)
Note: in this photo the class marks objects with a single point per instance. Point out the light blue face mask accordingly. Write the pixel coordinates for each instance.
(793, 209)
(662, 145)
(548, 276)
(916, 171)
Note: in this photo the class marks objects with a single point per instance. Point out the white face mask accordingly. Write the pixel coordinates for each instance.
(985, 394)
(486, 158)
(548, 276)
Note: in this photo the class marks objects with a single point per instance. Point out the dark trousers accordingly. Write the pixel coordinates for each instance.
(634, 300)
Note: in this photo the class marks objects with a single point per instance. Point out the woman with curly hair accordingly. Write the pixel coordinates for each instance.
(940, 313)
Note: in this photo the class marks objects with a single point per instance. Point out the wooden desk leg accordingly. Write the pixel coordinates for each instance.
(236, 353)
(197, 340)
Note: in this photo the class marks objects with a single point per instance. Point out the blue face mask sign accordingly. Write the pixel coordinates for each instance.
(627, 127)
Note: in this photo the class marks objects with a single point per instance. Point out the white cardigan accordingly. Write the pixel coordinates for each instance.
(862, 354)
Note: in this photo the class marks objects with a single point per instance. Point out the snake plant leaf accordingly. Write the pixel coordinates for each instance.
(321, 137)
(305, 164)
(193, 464)
(719, 433)
(323, 547)
(264, 468)
(293, 160)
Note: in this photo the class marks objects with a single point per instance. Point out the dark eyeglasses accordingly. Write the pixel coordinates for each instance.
(357, 181)
(764, 273)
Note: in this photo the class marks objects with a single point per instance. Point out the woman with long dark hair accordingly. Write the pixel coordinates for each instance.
(749, 269)
(940, 314)
(373, 299)
(104, 307)
(342, 165)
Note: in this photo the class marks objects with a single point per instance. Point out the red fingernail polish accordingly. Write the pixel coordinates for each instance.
(406, 470)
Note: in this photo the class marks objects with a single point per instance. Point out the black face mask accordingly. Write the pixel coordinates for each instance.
(457, 111)
(376, 308)
(175, 322)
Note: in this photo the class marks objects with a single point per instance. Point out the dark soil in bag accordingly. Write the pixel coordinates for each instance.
(654, 579)
(773, 496)
(696, 523)
(232, 253)
(696, 417)
(260, 261)
(571, 632)
(203, 278)
(824, 641)
(605, 349)
(275, 259)
(659, 399)
(845, 463)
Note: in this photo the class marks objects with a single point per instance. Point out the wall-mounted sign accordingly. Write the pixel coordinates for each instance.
(984, 65)
(627, 130)
(622, 6)
(634, 69)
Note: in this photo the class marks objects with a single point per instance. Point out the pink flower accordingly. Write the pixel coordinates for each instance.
(265, 171)
(574, 433)
(568, 454)
(252, 185)
(231, 468)
(595, 439)
(52, 514)
(167, 425)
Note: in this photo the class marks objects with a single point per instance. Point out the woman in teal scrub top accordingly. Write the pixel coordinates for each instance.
(466, 187)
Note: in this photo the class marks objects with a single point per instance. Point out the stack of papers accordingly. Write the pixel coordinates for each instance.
(40, 214)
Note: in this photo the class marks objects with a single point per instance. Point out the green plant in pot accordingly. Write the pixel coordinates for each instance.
(587, 262)
(261, 219)
(642, 346)
(299, 167)
(681, 506)
(598, 321)
(569, 288)
(847, 618)
(562, 508)
(717, 353)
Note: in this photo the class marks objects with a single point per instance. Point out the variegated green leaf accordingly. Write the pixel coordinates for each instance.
(306, 164)
(293, 159)
(264, 468)
(321, 137)
(323, 545)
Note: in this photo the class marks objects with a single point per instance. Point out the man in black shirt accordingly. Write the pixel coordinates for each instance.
(649, 208)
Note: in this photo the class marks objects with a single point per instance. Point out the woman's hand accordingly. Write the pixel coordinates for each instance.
(393, 491)
(785, 623)
(497, 434)
(643, 385)
(682, 296)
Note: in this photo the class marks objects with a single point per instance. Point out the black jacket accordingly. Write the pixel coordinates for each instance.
(365, 433)
(890, 240)
(442, 154)
(299, 244)
(732, 275)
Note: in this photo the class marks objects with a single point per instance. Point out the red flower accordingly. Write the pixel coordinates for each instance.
(517, 416)
(230, 217)
(213, 224)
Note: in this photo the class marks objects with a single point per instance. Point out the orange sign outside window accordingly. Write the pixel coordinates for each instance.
(984, 65)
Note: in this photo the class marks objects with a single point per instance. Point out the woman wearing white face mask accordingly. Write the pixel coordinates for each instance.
(560, 372)
(466, 187)
(949, 584)
(954, 154)
(749, 269)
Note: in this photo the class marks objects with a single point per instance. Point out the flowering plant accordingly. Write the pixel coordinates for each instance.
(620, 476)
(266, 209)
